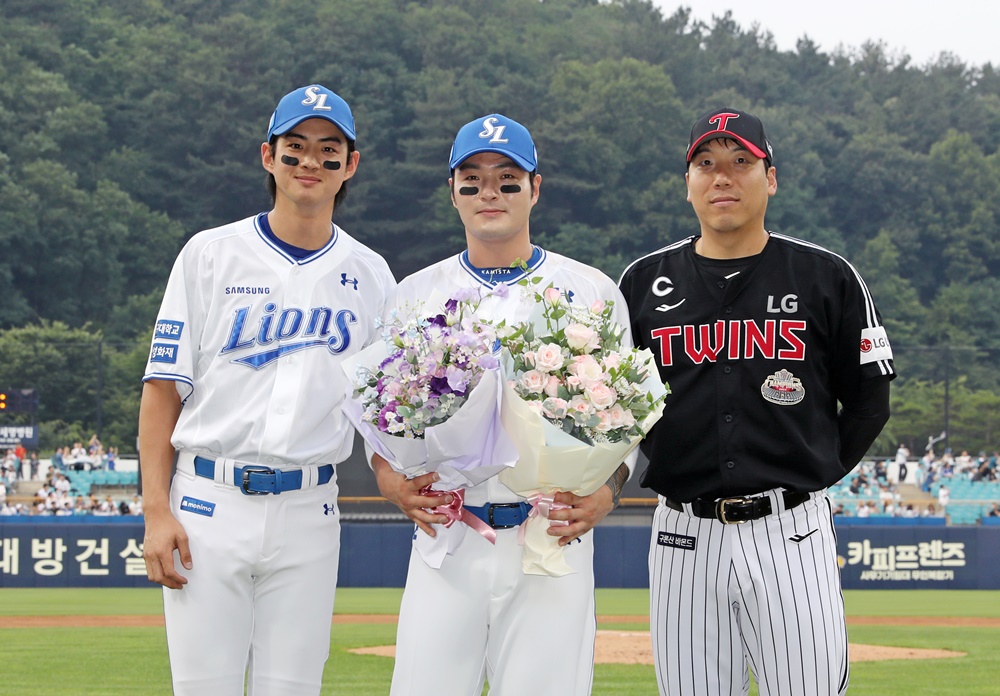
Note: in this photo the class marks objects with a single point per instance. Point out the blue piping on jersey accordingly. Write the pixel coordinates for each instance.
(288, 257)
(538, 256)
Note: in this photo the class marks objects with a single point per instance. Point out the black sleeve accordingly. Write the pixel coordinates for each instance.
(860, 421)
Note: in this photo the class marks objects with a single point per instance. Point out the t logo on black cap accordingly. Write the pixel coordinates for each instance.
(720, 120)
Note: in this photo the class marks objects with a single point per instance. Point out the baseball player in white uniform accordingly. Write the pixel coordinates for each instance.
(244, 384)
(779, 368)
(478, 615)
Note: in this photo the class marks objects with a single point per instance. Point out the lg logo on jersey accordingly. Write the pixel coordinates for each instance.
(789, 304)
(662, 287)
(332, 331)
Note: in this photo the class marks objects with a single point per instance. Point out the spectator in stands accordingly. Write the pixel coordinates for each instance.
(111, 458)
(909, 511)
(963, 462)
(931, 511)
(944, 497)
(135, 507)
(994, 511)
(902, 457)
(858, 485)
(3, 492)
(982, 472)
(839, 510)
(94, 445)
(863, 510)
(78, 458)
(879, 470)
(33, 465)
(57, 459)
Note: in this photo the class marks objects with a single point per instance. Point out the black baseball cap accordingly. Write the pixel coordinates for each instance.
(744, 128)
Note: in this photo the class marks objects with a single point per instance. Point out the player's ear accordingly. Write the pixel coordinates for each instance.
(687, 186)
(536, 188)
(352, 164)
(772, 181)
(267, 156)
(451, 192)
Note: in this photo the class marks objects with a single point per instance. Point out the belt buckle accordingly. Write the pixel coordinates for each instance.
(493, 506)
(247, 470)
(720, 508)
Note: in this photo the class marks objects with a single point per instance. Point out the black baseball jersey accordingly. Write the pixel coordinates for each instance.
(757, 352)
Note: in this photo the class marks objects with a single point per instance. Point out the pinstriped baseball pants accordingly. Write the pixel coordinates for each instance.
(765, 595)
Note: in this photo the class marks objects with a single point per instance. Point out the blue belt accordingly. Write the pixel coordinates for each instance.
(261, 480)
(501, 515)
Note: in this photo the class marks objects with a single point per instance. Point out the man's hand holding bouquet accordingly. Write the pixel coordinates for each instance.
(426, 399)
(577, 401)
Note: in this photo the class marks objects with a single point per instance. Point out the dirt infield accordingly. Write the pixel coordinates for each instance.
(619, 647)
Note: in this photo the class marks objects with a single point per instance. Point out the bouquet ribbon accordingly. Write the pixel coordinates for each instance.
(455, 512)
(541, 505)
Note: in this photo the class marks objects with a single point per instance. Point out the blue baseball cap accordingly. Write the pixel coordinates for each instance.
(314, 101)
(495, 133)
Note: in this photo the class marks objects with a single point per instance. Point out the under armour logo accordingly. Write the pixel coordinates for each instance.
(329, 509)
(492, 131)
(344, 280)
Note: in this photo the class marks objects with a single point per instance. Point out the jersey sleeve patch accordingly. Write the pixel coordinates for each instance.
(163, 353)
(875, 345)
(168, 330)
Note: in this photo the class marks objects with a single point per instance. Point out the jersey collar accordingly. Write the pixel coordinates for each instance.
(491, 277)
(291, 253)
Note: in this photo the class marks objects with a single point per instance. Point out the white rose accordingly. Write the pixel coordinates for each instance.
(582, 337)
(549, 358)
(555, 407)
(533, 381)
(601, 395)
(587, 369)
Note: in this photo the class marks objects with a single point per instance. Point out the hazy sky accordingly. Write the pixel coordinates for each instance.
(920, 28)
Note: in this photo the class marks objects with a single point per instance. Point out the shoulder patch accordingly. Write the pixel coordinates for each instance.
(875, 345)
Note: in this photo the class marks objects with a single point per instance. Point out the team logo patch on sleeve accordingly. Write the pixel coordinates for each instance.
(169, 330)
(783, 388)
(875, 345)
(163, 353)
(198, 507)
(676, 541)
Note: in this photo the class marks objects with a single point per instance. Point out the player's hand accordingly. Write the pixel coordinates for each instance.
(405, 494)
(164, 534)
(585, 512)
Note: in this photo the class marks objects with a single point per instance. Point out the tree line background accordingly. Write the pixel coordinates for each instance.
(128, 125)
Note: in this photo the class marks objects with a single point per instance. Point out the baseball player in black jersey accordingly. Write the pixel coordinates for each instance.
(779, 369)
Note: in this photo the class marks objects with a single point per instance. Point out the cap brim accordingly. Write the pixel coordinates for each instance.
(292, 122)
(517, 159)
(716, 135)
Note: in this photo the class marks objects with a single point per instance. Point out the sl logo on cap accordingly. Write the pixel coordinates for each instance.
(492, 131)
(314, 96)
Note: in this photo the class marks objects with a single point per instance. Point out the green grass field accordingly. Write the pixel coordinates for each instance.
(97, 661)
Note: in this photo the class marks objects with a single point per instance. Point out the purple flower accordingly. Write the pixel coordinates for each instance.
(439, 386)
(458, 380)
(451, 305)
(383, 419)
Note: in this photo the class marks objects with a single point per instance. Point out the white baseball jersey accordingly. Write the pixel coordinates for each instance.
(253, 338)
(492, 613)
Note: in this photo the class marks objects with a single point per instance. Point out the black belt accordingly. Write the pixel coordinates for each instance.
(738, 509)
